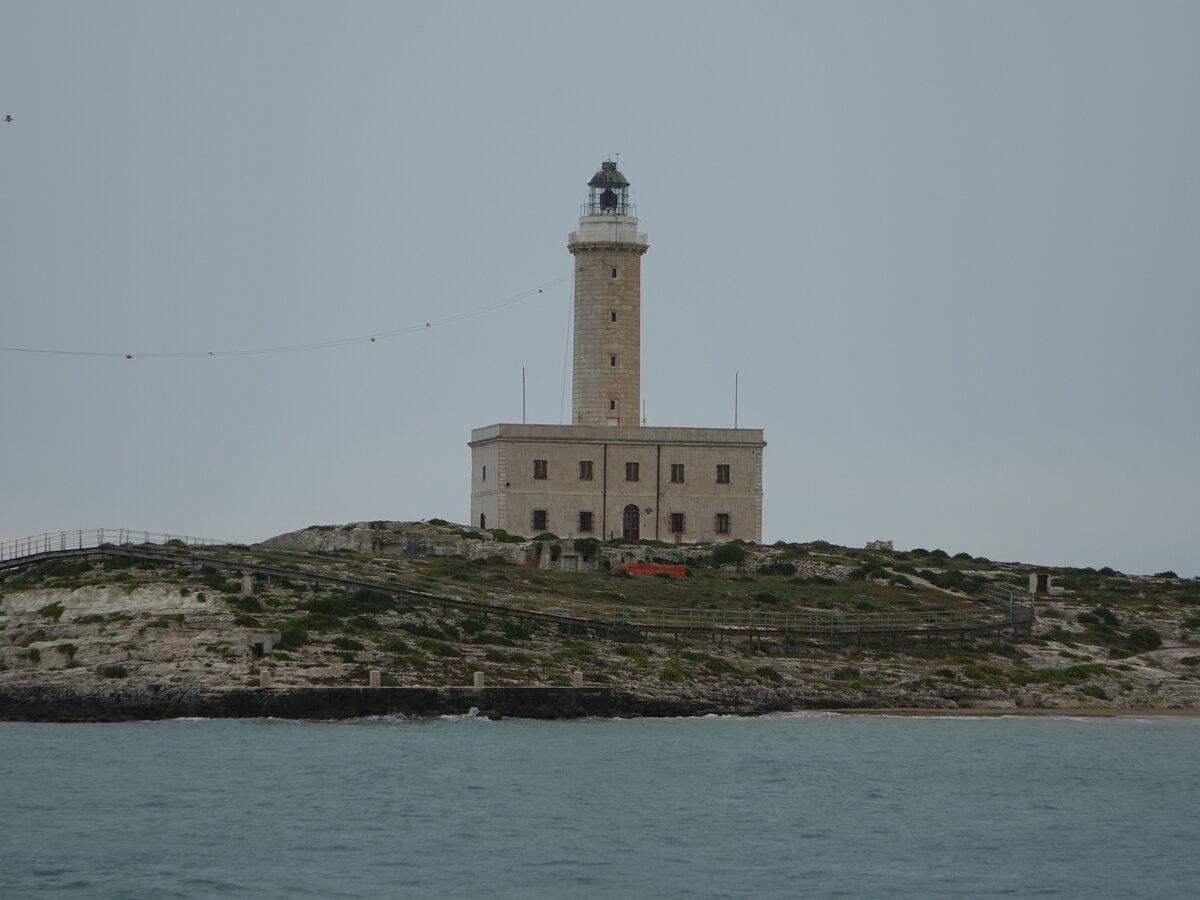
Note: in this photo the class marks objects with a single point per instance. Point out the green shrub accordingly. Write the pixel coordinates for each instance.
(472, 625)
(245, 604)
(420, 629)
(588, 547)
(633, 651)
(494, 655)
(293, 639)
(546, 536)
(515, 631)
(243, 621)
(731, 554)
(1107, 616)
(346, 643)
(505, 538)
(319, 622)
(364, 623)
(1094, 690)
(674, 672)
(767, 673)
(522, 658)
(114, 671)
(1144, 638)
(51, 610)
(845, 673)
(436, 647)
(766, 597)
(967, 556)
(1166, 574)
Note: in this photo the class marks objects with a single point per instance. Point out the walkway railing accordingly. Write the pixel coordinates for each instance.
(1001, 609)
(88, 538)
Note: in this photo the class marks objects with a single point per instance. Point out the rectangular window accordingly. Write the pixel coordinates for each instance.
(585, 470)
(614, 272)
(585, 520)
(676, 523)
(722, 474)
(484, 473)
(614, 315)
(722, 523)
(540, 468)
(631, 471)
(540, 521)
(612, 404)
(612, 360)
(676, 473)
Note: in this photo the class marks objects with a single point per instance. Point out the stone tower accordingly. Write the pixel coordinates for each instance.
(606, 382)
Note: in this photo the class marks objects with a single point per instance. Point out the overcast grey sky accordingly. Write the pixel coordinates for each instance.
(950, 248)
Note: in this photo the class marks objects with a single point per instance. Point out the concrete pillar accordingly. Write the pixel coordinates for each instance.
(247, 585)
(577, 678)
(264, 678)
(478, 680)
(375, 678)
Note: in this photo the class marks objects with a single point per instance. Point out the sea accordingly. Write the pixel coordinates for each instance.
(781, 806)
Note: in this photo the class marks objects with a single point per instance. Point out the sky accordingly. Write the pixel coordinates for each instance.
(948, 250)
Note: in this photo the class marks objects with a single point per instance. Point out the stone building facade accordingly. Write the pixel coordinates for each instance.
(605, 475)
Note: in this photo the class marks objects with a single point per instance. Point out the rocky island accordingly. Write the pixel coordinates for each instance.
(428, 618)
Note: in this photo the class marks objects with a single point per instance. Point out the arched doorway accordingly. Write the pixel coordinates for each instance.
(631, 528)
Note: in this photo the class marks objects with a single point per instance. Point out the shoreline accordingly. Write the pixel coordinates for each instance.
(1082, 712)
(158, 702)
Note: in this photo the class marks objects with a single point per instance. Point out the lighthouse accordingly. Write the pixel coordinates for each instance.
(607, 370)
(607, 475)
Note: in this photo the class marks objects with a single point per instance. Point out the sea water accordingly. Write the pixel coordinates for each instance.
(801, 805)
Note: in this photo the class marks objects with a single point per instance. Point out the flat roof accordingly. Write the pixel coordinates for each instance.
(613, 434)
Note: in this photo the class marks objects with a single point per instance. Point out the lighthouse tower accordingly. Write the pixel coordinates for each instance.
(607, 475)
(606, 383)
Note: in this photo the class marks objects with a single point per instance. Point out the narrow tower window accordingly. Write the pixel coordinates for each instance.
(482, 520)
(722, 474)
(631, 471)
(614, 271)
(540, 521)
(722, 523)
(612, 360)
(614, 315)
(585, 520)
(540, 467)
(677, 474)
(676, 523)
(612, 404)
(484, 478)
(585, 470)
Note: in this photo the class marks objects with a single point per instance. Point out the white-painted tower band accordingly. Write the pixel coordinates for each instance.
(606, 382)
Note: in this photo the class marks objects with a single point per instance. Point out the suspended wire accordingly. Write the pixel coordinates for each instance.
(318, 345)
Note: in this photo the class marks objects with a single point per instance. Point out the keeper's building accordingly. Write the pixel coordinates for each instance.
(605, 475)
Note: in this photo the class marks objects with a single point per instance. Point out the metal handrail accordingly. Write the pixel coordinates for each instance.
(90, 538)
